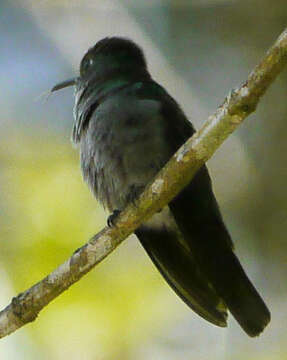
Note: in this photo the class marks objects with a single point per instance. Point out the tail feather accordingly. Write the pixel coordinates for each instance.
(179, 269)
(196, 213)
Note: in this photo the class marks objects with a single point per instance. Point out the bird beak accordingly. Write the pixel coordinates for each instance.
(64, 84)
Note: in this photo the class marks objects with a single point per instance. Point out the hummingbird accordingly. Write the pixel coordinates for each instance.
(127, 127)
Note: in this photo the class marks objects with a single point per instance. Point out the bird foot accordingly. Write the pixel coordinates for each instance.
(113, 217)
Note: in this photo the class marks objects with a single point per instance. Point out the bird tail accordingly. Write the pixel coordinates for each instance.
(197, 215)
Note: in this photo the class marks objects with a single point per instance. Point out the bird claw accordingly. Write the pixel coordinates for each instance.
(113, 217)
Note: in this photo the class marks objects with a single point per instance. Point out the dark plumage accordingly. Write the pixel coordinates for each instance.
(127, 127)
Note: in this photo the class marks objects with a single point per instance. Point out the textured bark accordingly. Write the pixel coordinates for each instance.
(168, 183)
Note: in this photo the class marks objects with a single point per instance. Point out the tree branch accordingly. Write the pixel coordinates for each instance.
(168, 183)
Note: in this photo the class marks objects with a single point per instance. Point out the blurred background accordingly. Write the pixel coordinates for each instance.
(199, 50)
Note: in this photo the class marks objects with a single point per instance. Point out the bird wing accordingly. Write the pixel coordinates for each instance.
(202, 267)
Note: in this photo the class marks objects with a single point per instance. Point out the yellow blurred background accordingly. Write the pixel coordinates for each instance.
(123, 309)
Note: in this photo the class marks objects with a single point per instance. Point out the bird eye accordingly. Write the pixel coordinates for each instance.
(86, 64)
